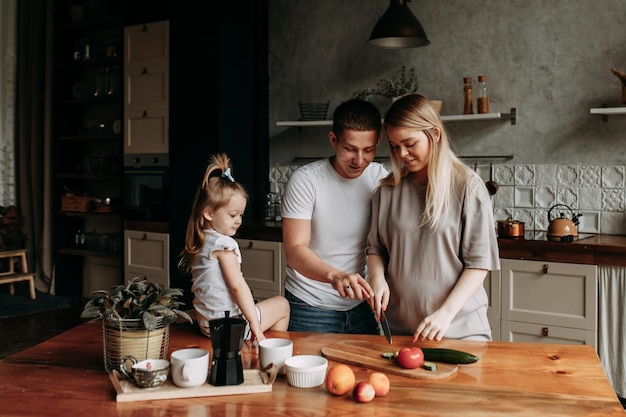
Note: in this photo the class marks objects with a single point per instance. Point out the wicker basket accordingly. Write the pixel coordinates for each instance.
(130, 337)
(76, 203)
(313, 111)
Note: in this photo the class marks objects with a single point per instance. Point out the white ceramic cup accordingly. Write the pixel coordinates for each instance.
(275, 350)
(190, 367)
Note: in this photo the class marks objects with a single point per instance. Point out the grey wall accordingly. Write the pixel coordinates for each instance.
(550, 59)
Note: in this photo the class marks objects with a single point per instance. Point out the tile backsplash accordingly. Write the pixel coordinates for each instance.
(526, 193)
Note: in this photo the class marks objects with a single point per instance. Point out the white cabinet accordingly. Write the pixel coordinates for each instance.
(146, 88)
(263, 265)
(548, 302)
(146, 254)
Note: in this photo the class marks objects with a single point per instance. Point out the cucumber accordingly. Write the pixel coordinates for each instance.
(430, 366)
(448, 356)
(388, 355)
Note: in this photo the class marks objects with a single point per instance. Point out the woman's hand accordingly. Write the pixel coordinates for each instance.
(433, 327)
(380, 300)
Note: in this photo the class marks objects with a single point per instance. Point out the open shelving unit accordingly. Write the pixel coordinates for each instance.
(86, 128)
(512, 116)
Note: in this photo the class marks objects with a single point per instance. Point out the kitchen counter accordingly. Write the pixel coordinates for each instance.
(592, 250)
(260, 230)
(65, 376)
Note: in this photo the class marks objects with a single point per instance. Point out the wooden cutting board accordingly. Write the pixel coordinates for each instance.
(368, 355)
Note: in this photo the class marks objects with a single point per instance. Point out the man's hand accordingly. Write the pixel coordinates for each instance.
(352, 286)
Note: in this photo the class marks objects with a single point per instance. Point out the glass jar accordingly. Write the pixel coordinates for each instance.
(482, 102)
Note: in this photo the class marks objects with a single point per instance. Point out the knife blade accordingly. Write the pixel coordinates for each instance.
(385, 325)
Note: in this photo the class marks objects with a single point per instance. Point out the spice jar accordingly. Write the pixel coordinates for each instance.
(467, 92)
(482, 103)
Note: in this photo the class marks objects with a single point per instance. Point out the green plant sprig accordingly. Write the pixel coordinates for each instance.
(405, 83)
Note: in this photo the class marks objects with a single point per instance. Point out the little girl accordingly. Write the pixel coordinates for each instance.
(214, 260)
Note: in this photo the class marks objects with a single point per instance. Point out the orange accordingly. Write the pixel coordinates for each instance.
(340, 379)
(380, 382)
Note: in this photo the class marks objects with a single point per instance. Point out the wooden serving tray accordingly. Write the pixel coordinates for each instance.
(254, 381)
(368, 355)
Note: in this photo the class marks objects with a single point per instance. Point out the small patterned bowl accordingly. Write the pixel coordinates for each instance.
(306, 371)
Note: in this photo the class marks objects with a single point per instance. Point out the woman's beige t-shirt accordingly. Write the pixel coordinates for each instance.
(423, 267)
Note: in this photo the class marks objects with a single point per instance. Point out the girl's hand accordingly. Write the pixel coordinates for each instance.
(433, 327)
(257, 335)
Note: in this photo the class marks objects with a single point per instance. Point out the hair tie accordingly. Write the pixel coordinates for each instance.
(226, 174)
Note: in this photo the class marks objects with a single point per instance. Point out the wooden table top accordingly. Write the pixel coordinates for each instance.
(65, 376)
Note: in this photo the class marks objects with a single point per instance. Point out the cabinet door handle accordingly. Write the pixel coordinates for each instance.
(250, 245)
(545, 268)
(145, 28)
(544, 332)
(145, 114)
(144, 71)
(144, 237)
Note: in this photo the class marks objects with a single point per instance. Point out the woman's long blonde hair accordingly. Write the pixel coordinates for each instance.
(215, 191)
(415, 111)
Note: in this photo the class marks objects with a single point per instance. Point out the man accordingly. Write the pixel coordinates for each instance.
(326, 212)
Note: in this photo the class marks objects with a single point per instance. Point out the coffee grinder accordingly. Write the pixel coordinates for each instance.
(227, 340)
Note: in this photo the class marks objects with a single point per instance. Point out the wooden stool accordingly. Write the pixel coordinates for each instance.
(11, 276)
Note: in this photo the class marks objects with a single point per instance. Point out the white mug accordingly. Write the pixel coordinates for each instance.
(190, 367)
(275, 351)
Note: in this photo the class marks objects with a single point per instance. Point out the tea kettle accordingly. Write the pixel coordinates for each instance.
(562, 229)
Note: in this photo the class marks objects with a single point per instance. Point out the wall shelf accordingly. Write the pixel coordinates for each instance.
(608, 111)
(512, 116)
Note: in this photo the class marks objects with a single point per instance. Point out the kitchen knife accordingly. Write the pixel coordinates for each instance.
(385, 325)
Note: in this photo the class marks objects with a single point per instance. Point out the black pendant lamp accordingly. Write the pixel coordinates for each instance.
(398, 28)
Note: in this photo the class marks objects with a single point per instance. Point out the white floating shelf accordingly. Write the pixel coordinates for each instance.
(305, 123)
(452, 118)
(608, 111)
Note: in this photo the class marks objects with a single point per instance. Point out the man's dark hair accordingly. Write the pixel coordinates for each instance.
(356, 114)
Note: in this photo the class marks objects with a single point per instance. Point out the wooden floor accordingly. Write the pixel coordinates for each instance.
(22, 332)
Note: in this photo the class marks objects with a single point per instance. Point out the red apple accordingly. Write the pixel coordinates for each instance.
(363, 392)
(410, 357)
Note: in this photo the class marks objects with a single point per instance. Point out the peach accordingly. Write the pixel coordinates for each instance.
(380, 382)
(340, 379)
(363, 392)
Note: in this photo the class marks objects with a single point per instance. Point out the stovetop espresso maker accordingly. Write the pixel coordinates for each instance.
(227, 340)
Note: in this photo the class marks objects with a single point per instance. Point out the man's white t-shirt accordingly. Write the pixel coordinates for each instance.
(339, 209)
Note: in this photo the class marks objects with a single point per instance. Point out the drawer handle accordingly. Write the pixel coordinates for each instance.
(144, 71)
(545, 268)
(144, 237)
(250, 245)
(544, 332)
(145, 114)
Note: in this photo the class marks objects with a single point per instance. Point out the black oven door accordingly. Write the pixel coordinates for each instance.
(146, 193)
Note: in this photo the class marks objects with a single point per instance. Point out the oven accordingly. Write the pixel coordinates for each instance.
(146, 187)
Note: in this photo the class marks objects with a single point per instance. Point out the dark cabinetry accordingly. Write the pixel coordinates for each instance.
(87, 118)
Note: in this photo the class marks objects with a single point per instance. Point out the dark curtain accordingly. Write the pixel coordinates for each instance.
(34, 39)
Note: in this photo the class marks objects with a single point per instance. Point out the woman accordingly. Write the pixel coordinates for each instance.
(432, 239)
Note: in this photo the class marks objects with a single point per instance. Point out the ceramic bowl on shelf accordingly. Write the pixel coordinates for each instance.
(306, 371)
(437, 104)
